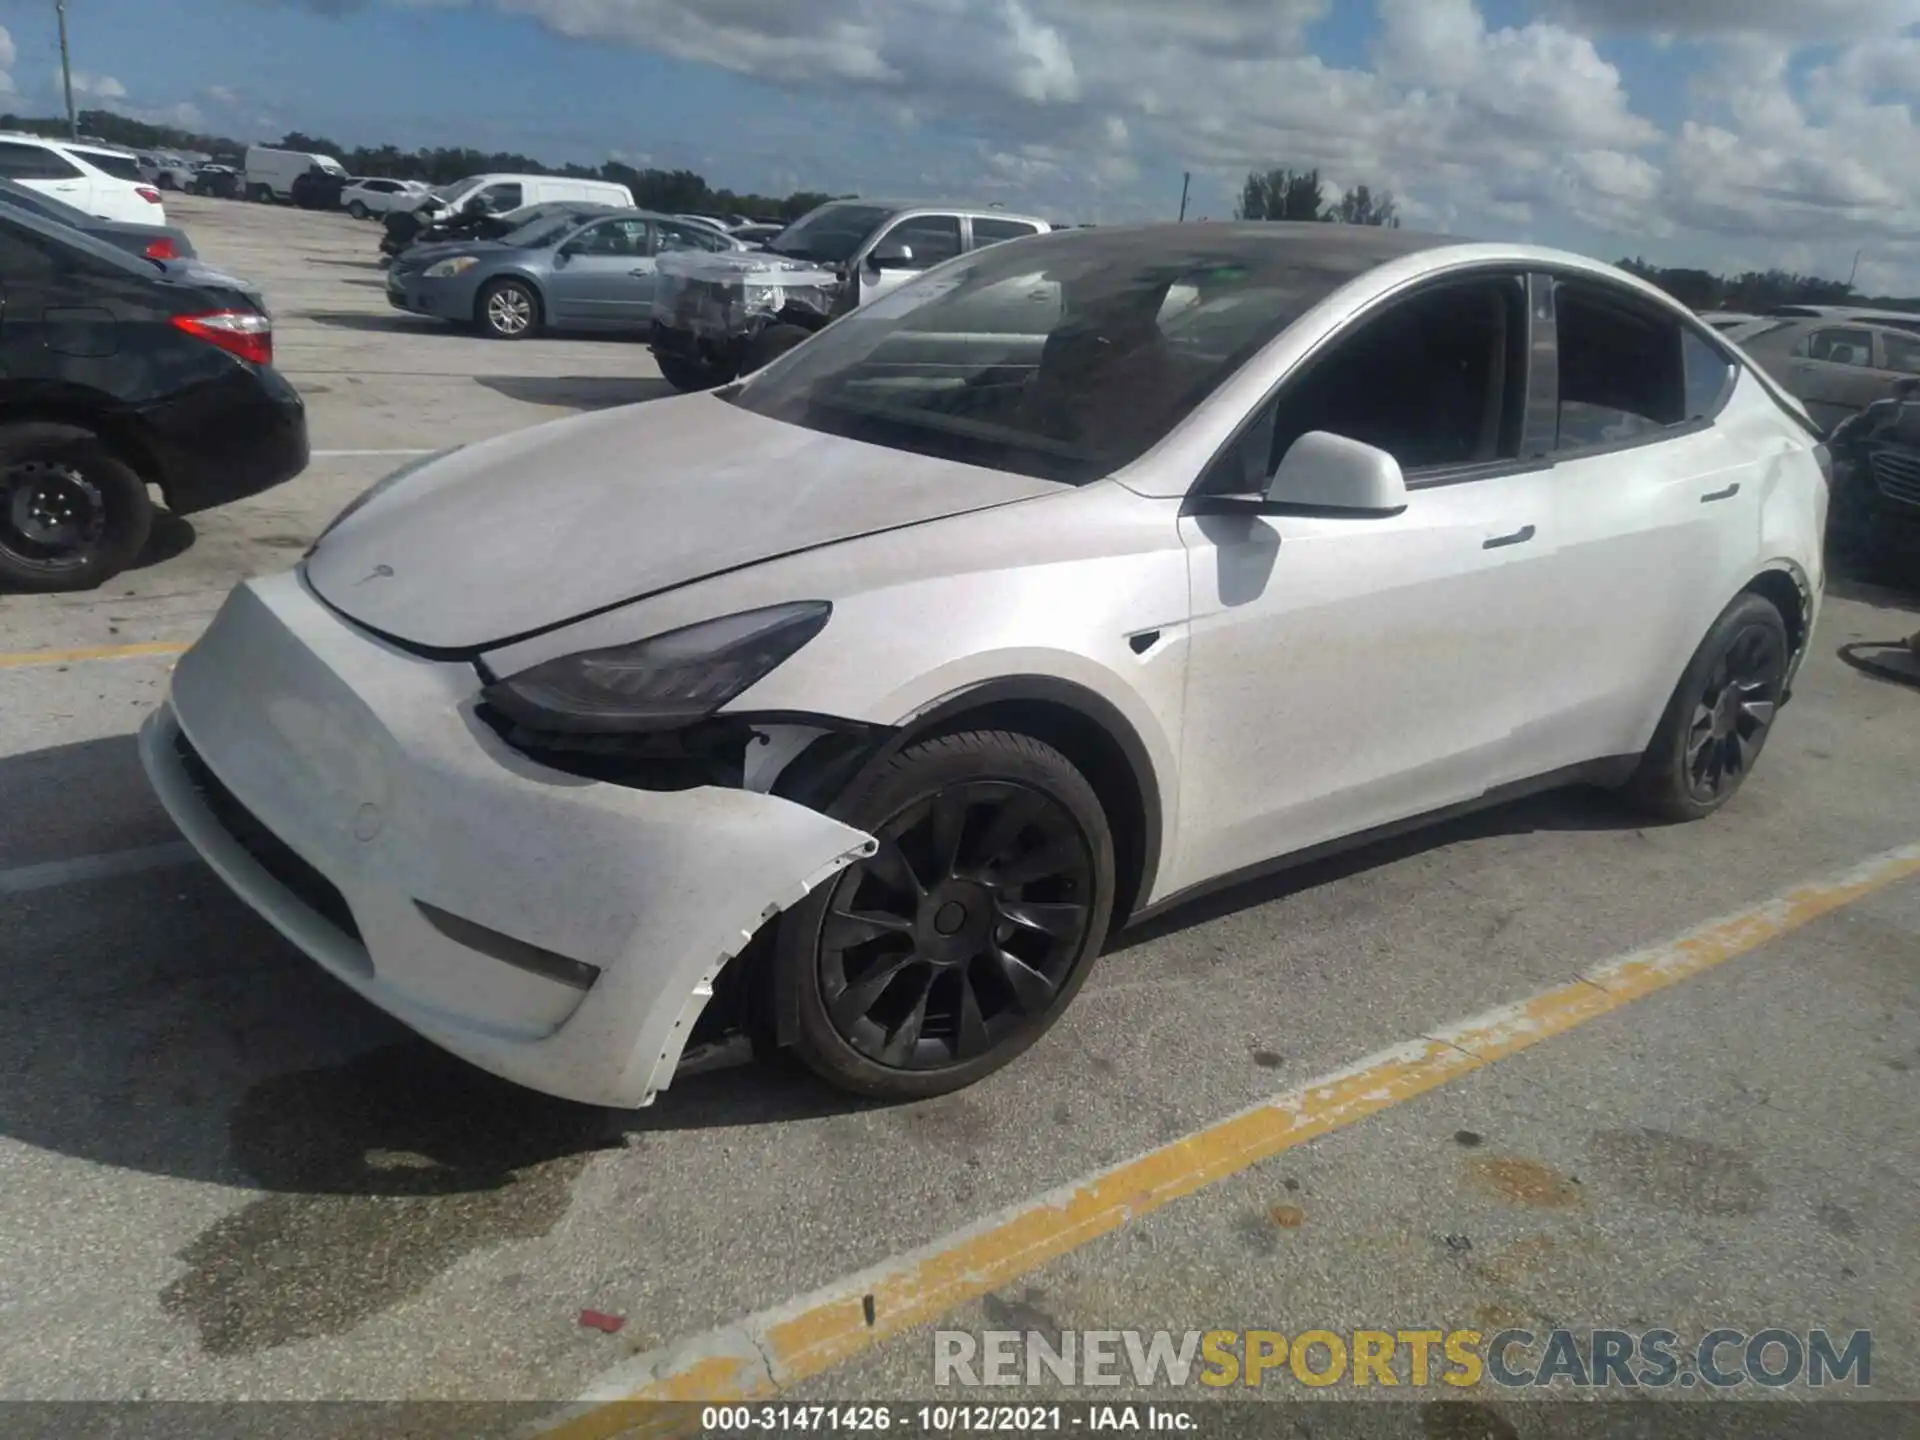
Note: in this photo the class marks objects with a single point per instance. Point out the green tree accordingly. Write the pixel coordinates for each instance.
(1282, 194)
(1362, 206)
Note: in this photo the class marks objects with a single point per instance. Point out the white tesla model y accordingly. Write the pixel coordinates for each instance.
(856, 704)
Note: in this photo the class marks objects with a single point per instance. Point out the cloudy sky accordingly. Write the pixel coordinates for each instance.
(1730, 133)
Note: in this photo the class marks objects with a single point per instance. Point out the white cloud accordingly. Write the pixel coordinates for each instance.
(1797, 129)
(91, 87)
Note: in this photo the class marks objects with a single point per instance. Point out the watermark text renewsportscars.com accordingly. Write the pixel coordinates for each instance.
(1416, 1358)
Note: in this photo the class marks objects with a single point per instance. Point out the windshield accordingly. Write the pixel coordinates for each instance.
(541, 230)
(831, 234)
(1066, 357)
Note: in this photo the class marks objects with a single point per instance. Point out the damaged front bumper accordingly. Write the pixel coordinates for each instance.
(559, 932)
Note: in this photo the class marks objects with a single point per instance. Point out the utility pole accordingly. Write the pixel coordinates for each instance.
(66, 69)
(1855, 270)
(1186, 179)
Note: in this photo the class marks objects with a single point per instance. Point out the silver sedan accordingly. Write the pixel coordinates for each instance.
(557, 272)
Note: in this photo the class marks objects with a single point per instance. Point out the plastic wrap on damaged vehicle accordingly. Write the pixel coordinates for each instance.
(715, 295)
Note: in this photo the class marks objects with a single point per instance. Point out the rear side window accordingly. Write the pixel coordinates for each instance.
(991, 232)
(1622, 369)
(1903, 353)
(121, 167)
(678, 235)
(33, 162)
(1709, 377)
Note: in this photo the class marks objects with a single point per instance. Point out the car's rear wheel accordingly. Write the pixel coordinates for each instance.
(72, 513)
(508, 310)
(771, 343)
(358, 210)
(686, 374)
(1720, 715)
(962, 939)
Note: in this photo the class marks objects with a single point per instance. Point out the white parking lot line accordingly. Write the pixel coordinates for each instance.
(23, 878)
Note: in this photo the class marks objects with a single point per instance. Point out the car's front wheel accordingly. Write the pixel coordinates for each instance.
(72, 513)
(771, 343)
(358, 210)
(1720, 715)
(508, 310)
(687, 375)
(958, 943)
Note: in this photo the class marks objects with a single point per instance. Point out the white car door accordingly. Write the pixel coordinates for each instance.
(1657, 511)
(1349, 672)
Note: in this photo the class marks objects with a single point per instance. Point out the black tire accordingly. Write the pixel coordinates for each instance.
(916, 972)
(72, 513)
(260, 194)
(686, 375)
(358, 210)
(771, 343)
(502, 299)
(1720, 715)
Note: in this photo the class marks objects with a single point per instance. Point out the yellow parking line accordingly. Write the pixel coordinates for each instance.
(20, 659)
(763, 1353)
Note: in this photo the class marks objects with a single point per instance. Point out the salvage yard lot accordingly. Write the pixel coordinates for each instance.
(222, 1175)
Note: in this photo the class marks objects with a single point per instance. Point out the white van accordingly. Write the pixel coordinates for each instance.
(270, 173)
(501, 193)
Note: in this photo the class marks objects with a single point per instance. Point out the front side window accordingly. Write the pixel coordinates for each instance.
(931, 238)
(1838, 346)
(34, 162)
(991, 232)
(678, 235)
(502, 198)
(612, 237)
(1622, 368)
(1063, 359)
(1437, 380)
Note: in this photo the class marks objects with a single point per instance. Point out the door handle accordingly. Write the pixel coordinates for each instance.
(640, 274)
(1726, 494)
(1518, 537)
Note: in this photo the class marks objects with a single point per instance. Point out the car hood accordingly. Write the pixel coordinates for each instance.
(540, 527)
(418, 257)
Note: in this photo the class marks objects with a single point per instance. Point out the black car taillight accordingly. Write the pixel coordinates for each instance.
(245, 333)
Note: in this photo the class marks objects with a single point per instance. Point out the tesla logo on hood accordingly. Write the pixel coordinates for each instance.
(379, 572)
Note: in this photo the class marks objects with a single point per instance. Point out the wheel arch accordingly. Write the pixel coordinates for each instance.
(1086, 727)
(120, 432)
(1786, 586)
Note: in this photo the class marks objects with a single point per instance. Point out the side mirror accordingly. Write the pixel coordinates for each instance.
(891, 255)
(1326, 473)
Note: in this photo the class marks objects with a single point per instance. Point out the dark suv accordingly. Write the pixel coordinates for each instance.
(116, 375)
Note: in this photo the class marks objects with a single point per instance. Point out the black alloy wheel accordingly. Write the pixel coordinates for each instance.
(1734, 712)
(1720, 715)
(953, 947)
(71, 513)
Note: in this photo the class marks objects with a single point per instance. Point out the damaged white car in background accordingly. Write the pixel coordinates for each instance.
(854, 705)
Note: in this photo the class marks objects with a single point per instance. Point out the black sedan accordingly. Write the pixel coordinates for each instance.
(114, 376)
(154, 242)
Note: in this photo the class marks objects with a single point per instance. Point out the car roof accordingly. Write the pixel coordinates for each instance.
(75, 239)
(943, 206)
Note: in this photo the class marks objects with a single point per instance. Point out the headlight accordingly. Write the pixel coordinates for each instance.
(447, 269)
(379, 487)
(760, 299)
(663, 683)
